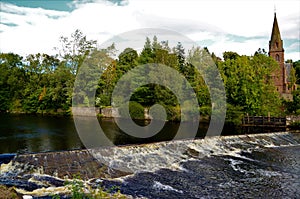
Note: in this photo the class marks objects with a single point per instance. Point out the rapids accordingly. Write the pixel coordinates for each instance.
(241, 166)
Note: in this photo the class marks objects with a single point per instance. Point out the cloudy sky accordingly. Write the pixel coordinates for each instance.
(31, 26)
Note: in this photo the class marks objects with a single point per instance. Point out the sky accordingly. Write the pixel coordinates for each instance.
(242, 26)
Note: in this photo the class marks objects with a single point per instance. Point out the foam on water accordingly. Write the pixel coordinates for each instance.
(160, 186)
(268, 173)
(153, 157)
(45, 191)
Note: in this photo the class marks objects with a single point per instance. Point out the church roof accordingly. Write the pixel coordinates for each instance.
(275, 31)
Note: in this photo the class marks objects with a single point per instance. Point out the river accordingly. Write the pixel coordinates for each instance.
(33, 133)
(236, 166)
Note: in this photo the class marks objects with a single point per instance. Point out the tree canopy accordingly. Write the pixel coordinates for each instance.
(41, 83)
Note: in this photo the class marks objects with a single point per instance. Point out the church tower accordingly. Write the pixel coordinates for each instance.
(277, 52)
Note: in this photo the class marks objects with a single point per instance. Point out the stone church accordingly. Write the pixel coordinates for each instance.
(282, 75)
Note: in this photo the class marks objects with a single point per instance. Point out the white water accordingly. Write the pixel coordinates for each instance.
(152, 157)
(170, 155)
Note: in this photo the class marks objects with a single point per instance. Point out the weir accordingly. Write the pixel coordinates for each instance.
(146, 156)
(50, 169)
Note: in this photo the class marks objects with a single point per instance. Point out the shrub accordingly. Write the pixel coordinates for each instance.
(234, 114)
(136, 110)
(79, 190)
(205, 110)
(173, 113)
(295, 125)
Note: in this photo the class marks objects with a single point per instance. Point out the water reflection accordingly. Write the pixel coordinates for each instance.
(19, 133)
(30, 133)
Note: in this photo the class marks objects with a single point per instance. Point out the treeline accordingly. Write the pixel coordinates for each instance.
(41, 83)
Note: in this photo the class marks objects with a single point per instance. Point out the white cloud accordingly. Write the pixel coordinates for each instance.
(38, 30)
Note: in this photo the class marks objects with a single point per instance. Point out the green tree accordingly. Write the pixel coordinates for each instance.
(12, 81)
(156, 44)
(75, 49)
(179, 50)
(296, 66)
(195, 75)
(89, 82)
(146, 55)
(296, 102)
(128, 59)
(230, 55)
(38, 93)
(248, 83)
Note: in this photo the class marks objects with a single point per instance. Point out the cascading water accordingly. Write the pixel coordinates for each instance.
(245, 166)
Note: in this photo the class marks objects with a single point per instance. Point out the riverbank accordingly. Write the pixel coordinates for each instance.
(292, 121)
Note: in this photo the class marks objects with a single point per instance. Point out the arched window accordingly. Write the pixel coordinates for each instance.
(277, 57)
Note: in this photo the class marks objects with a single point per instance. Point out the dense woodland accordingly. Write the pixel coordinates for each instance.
(41, 83)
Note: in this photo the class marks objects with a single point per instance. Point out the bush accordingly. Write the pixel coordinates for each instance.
(80, 190)
(136, 111)
(158, 112)
(173, 113)
(205, 110)
(234, 114)
(295, 125)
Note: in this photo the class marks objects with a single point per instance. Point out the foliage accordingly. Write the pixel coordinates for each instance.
(229, 55)
(12, 80)
(295, 125)
(296, 66)
(205, 110)
(136, 110)
(80, 190)
(41, 83)
(234, 114)
(173, 113)
(74, 50)
(76, 187)
(249, 85)
(293, 107)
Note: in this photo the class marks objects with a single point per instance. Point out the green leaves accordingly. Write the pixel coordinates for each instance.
(248, 84)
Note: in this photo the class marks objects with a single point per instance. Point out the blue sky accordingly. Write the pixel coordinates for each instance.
(61, 5)
(31, 26)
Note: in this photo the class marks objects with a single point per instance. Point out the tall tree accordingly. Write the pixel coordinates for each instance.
(296, 66)
(179, 50)
(12, 81)
(146, 55)
(75, 49)
(248, 83)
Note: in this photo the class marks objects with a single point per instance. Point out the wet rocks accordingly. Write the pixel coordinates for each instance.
(20, 183)
(230, 167)
(8, 193)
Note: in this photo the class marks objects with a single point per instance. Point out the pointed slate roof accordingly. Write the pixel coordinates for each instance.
(275, 31)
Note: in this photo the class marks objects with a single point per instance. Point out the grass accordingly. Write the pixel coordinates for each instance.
(80, 190)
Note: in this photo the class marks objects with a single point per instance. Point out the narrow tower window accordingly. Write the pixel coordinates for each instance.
(276, 44)
(277, 57)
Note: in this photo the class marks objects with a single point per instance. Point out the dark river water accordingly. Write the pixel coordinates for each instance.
(31, 133)
(20, 134)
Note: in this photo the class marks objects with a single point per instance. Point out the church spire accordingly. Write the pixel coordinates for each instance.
(277, 52)
(275, 44)
(275, 31)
